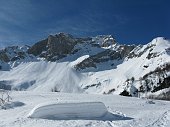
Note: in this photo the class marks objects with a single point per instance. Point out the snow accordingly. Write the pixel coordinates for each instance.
(44, 76)
(68, 111)
(80, 59)
(126, 111)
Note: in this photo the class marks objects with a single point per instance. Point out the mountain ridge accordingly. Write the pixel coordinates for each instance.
(91, 65)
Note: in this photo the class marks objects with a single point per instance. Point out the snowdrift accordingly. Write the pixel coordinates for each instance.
(67, 111)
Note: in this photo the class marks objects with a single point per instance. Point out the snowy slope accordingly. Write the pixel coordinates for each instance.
(44, 76)
(126, 112)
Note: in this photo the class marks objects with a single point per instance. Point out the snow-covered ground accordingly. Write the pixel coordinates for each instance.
(70, 111)
(124, 111)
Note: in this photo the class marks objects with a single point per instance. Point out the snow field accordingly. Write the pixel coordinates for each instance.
(124, 111)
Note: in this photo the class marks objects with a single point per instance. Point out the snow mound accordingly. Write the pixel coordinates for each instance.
(66, 111)
(74, 111)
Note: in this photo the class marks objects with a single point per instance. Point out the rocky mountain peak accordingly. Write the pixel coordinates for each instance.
(60, 45)
(62, 34)
(104, 40)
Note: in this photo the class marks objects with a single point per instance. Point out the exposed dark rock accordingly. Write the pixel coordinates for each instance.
(163, 85)
(60, 45)
(152, 55)
(105, 56)
(92, 85)
(111, 91)
(162, 96)
(38, 48)
(55, 47)
(4, 57)
(55, 89)
(145, 66)
(15, 58)
(125, 93)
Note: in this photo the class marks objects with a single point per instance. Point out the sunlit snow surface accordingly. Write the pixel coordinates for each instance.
(127, 111)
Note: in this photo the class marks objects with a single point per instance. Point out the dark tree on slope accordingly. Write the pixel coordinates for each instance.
(55, 89)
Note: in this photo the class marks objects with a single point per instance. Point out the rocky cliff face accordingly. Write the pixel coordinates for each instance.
(119, 53)
(55, 47)
(58, 46)
(61, 45)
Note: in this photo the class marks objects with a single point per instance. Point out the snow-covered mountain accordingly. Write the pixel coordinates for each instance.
(63, 63)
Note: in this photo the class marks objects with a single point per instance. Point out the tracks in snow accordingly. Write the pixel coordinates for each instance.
(162, 121)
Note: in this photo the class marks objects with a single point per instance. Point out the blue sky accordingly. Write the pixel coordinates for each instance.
(129, 21)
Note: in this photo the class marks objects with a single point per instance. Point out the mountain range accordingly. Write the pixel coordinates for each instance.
(98, 65)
